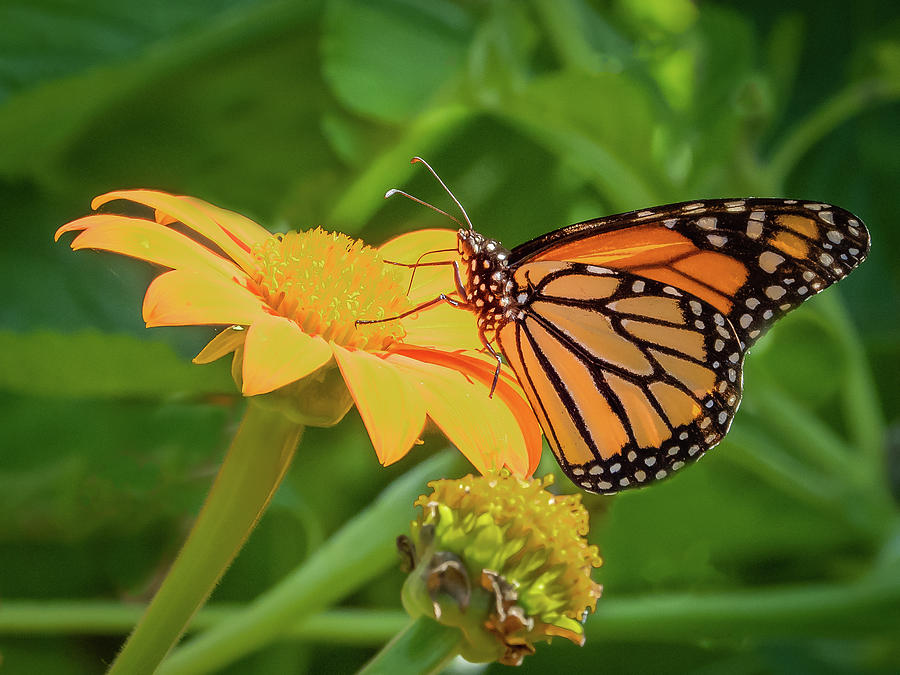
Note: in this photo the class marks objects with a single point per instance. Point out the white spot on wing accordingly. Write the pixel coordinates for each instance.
(769, 261)
(775, 292)
(754, 229)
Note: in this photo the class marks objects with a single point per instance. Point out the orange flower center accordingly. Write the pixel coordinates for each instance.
(325, 281)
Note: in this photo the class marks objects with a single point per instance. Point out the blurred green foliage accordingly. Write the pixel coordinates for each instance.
(538, 114)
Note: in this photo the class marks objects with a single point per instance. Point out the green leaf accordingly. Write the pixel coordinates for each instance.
(387, 60)
(192, 115)
(45, 40)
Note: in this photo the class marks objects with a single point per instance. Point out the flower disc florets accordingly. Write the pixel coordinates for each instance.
(523, 555)
(325, 281)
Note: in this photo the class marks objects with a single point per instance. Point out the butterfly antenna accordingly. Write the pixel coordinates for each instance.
(419, 160)
(395, 191)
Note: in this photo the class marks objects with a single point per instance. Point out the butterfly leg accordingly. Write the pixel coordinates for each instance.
(425, 305)
(416, 265)
(492, 352)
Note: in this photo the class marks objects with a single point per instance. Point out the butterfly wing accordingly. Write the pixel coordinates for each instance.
(630, 377)
(752, 259)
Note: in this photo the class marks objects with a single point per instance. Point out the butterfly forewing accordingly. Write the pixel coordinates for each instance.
(630, 377)
(752, 259)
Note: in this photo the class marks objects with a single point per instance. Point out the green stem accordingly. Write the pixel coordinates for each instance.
(429, 131)
(424, 646)
(815, 610)
(861, 403)
(765, 456)
(253, 468)
(826, 118)
(361, 550)
(561, 21)
(620, 184)
(848, 609)
(807, 435)
(367, 627)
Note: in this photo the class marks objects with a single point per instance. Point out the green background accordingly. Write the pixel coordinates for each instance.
(537, 114)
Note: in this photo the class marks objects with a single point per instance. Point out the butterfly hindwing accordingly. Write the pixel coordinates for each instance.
(752, 259)
(630, 377)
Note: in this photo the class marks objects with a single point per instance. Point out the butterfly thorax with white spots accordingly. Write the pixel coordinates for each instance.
(487, 280)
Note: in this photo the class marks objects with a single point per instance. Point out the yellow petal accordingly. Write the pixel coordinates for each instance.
(389, 404)
(182, 298)
(442, 327)
(431, 281)
(224, 343)
(240, 227)
(187, 212)
(484, 429)
(482, 367)
(148, 241)
(277, 353)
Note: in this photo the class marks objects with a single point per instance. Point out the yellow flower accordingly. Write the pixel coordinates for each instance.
(504, 561)
(289, 303)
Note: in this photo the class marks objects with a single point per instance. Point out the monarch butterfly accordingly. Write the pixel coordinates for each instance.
(628, 333)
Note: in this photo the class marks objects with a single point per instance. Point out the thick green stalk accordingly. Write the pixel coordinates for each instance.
(424, 646)
(361, 550)
(253, 468)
